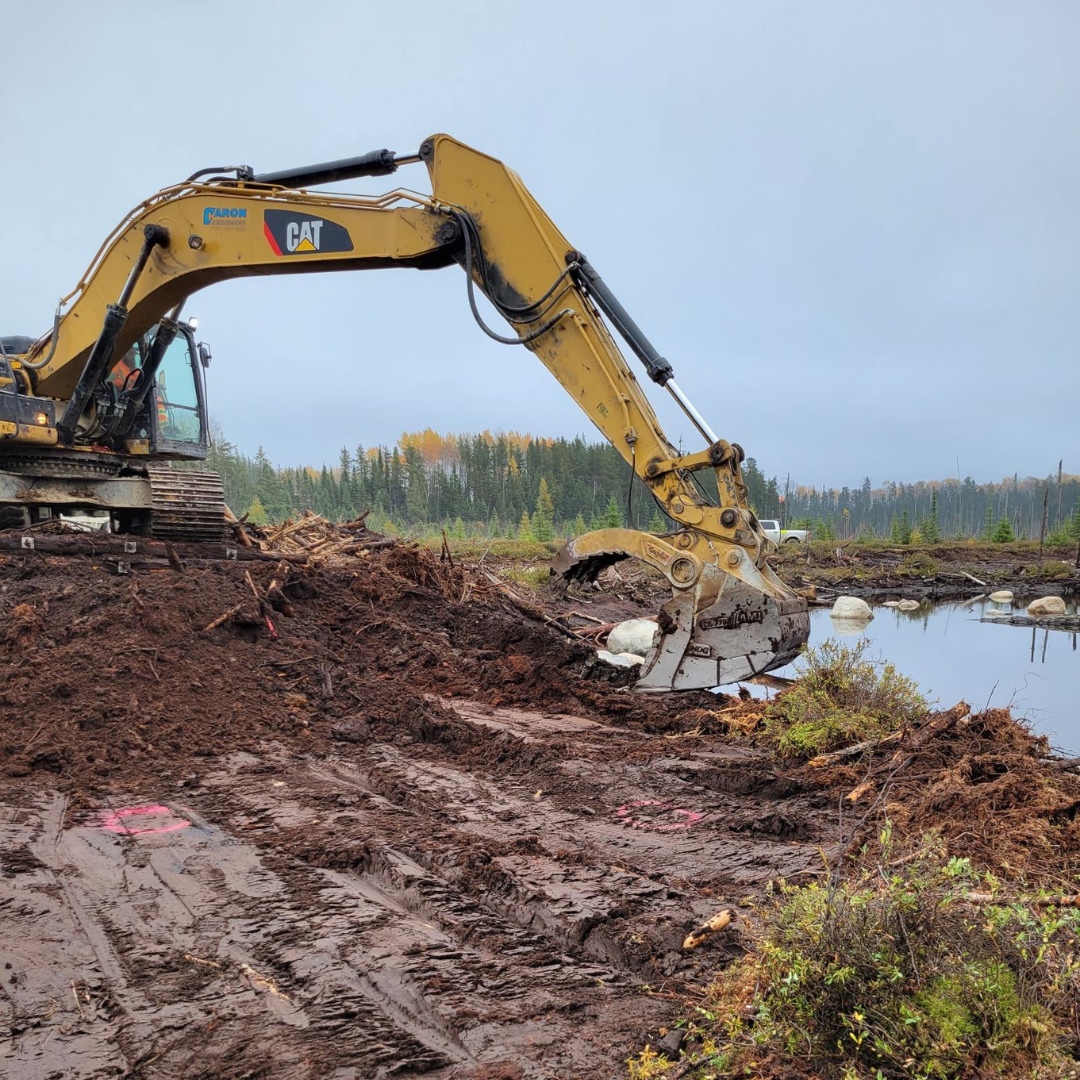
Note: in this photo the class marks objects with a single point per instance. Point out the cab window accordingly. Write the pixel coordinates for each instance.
(176, 397)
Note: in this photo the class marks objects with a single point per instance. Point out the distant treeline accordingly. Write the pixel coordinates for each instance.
(510, 484)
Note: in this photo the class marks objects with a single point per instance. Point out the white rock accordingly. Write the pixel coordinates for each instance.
(909, 605)
(1002, 596)
(891, 603)
(851, 607)
(1047, 605)
(633, 636)
(849, 627)
(621, 660)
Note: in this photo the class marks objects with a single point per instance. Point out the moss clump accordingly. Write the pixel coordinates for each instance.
(839, 699)
(1051, 570)
(917, 565)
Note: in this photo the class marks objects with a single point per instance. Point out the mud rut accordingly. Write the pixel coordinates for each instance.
(392, 865)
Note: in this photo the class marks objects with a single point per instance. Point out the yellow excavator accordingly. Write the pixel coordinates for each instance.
(92, 412)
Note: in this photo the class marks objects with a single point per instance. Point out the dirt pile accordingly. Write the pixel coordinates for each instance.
(106, 674)
(989, 788)
(984, 783)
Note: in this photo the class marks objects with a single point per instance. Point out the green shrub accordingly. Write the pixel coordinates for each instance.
(841, 698)
(914, 969)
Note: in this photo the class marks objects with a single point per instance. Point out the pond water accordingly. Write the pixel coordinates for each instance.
(955, 657)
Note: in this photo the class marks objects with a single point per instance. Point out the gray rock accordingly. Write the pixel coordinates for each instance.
(620, 660)
(672, 1042)
(632, 636)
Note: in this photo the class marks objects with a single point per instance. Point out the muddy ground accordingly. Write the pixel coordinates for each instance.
(399, 829)
(936, 572)
(404, 837)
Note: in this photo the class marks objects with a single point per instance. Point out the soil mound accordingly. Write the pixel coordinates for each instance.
(107, 673)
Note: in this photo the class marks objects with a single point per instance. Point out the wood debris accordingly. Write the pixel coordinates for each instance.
(315, 537)
(702, 934)
(261, 982)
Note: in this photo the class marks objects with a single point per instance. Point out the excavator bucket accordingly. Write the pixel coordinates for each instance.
(706, 641)
(717, 628)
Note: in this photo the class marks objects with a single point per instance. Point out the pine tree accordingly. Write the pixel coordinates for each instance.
(613, 518)
(929, 529)
(1072, 525)
(269, 488)
(525, 531)
(900, 532)
(1003, 532)
(256, 512)
(824, 529)
(543, 522)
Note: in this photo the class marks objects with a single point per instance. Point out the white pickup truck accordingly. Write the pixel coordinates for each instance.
(777, 535)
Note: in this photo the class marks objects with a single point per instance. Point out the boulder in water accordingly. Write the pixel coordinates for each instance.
(851, 607)
(1047, 605)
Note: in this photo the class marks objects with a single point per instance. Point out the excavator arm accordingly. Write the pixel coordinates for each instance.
(730, 617)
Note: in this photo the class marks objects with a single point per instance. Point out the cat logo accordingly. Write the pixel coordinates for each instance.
(291, 233)
(303, 235)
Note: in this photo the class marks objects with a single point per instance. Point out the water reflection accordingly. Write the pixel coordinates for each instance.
(954, 656)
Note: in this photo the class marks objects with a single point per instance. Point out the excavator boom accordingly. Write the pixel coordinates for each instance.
(730, 617)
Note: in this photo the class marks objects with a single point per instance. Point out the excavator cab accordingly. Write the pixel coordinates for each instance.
(171, 421)
(179, 414)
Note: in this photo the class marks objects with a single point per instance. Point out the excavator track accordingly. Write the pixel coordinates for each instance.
(67, 465)
(186, 505)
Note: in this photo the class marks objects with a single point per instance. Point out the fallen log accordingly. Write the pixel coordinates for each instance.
(1064, 763)
(936, 725)
(835, 756)
(100, 544)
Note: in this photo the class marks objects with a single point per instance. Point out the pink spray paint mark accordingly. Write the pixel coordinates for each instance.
(688, 817)
(114, 820)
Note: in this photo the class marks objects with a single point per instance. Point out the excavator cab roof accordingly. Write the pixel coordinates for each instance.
(15, 344)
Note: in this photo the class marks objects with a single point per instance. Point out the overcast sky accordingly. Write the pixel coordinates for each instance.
(853, 228)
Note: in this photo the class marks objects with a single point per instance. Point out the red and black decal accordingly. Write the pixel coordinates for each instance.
(291, 233)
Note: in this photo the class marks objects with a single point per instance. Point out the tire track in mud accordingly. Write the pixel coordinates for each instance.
(485, 900)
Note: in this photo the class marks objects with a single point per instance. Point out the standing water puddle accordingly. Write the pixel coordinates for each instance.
(955, 657)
